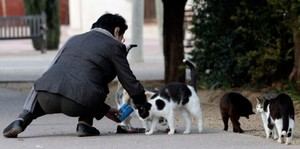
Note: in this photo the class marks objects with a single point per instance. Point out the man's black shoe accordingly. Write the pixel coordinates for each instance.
(13, 129)
(86, 130)
(126, 129)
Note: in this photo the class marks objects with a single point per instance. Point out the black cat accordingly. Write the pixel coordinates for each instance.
(234, 105)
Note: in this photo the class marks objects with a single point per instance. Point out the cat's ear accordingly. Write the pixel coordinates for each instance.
(149, 94)
(258, 99)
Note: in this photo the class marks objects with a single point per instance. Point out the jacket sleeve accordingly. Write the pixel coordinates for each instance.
(126, 77)
(103, 109)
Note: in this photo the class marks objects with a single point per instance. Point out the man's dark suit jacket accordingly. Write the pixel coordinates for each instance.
(86, 65)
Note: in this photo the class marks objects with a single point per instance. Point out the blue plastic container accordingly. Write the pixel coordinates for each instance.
(125, 111)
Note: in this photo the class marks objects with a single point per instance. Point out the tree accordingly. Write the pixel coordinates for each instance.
(291, 8)
(34, 7)
(53, 24)
(51, 9)
(295, 74)
(241, 42)
(173, 34)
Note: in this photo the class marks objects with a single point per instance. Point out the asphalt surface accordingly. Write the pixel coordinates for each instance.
(57, 131)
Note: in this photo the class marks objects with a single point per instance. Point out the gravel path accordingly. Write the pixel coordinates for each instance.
(252, 126)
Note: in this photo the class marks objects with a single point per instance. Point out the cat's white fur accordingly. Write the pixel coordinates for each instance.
(278, 124)
(188, 111)
(264, 117)
(121, 98)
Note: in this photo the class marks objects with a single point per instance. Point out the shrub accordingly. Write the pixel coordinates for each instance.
(240, 42)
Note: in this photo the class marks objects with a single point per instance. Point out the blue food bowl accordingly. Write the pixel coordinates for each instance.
(125, 111)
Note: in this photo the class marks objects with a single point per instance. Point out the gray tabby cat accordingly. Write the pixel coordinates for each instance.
(277, 114)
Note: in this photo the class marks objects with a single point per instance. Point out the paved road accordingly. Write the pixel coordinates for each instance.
(58, 131)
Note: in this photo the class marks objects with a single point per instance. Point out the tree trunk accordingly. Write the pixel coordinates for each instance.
(173, 40)
(53, 24)
(295, 74)
(34, 7)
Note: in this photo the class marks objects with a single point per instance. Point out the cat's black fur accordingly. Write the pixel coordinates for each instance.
(281, 107)
(160, 104)
(176, 91)
(234, 105)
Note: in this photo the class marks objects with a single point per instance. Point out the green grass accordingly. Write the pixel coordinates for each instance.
(291, 89)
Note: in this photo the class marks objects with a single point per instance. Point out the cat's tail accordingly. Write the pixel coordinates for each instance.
(285, 126)
(285, 112)
(119, 94)
(192, 68)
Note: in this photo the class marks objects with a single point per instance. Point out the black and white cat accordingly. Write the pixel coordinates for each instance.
(277, 114)
(174, 96)
(122, 97)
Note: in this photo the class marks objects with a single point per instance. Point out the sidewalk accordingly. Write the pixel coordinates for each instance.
(19, 62)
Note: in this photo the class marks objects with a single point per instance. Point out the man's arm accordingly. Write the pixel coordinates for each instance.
(127, 78)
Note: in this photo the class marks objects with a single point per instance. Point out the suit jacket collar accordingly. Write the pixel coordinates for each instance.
(104, 31)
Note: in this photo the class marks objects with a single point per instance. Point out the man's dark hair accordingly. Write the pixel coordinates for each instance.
(110, 21)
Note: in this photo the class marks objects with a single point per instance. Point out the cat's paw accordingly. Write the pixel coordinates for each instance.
(279, 140)
(187, 132)
(275, 137)
(149, 132)
(225, 128)
(235, 130)
(288, 141)
(171, 132)
(268, 136)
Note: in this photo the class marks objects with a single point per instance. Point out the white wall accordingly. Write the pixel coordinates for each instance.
(83, 13)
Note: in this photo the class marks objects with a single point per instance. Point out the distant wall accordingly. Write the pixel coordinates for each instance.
(85, 12)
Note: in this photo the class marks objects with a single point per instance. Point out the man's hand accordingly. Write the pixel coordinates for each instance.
(113, 115)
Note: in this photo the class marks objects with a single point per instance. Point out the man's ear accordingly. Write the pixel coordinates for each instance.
(117, 31)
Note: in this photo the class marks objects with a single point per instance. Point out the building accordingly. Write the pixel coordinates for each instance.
(16, 8)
